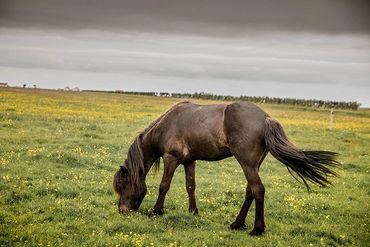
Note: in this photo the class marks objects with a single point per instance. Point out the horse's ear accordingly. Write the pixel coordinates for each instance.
(124, 170)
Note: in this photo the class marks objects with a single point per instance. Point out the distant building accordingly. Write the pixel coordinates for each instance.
(165, 94)
(4, 84)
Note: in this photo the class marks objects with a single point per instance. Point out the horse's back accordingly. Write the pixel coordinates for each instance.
(188, 117)
(194, 132)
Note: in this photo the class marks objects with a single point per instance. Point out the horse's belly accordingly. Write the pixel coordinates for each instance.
(221, 154)
(201, 149)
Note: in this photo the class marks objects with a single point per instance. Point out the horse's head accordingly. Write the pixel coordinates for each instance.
(131, 192)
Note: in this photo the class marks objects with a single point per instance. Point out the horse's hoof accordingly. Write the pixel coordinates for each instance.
(237, 225)
(256, 232)
(157, 211)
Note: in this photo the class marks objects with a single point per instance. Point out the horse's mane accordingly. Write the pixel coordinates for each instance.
(135, 157)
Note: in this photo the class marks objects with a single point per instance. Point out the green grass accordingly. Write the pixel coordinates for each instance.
(60, 150)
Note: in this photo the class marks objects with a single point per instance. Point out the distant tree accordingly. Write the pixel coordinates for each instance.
(255, 99)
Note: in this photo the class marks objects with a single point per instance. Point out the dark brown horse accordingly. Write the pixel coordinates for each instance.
(188, 132)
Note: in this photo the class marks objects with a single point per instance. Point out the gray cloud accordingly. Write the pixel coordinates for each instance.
(242, 59)
(207, 17)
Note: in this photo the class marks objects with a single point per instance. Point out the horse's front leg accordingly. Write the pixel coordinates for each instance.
(190, 186)
(170, 165)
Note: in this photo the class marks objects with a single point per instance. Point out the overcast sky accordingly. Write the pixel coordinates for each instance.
(288, 48)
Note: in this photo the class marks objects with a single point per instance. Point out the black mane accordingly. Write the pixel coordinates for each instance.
(135, 157)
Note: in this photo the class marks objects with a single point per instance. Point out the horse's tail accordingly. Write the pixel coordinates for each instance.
(313, 166)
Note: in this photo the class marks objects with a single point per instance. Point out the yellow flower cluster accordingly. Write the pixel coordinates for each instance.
(131, 239)
(56, 104)
(294, 202)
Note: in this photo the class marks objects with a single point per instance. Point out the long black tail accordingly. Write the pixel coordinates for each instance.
(313, 166)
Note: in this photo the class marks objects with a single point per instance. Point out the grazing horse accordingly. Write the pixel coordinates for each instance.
(188, 132)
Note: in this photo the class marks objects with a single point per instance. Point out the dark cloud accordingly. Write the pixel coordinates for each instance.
(285, 48)
(208, 17)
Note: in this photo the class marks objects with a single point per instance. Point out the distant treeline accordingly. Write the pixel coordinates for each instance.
(352, 105)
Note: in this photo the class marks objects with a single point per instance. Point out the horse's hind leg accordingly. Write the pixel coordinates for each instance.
(250, 163)
(258, 192)
(190, 186)
(240, 219)
(244, 129)
(170, 165)
(249, 196)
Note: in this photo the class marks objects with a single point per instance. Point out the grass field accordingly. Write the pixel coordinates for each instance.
(60, 150)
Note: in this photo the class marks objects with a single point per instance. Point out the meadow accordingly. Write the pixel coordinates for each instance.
(60, 150)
